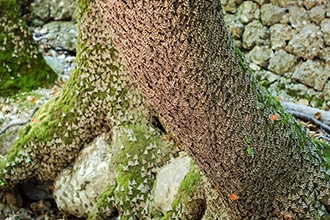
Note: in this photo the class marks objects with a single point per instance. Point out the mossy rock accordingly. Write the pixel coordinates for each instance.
(22, 67)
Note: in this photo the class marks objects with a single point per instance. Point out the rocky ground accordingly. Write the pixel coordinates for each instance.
(14, 111)
(18, 110)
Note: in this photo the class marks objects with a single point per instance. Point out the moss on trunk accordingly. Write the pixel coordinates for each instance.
(22, 65)
(101, 97)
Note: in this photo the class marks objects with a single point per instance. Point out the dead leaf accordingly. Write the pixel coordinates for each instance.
(33, 99)
(34, 120)
(317, 115)
(55, 90)
(303, 102)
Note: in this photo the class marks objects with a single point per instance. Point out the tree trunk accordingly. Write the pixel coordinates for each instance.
(99, 98)
(260, 162)
(258, 158)
(22, 67)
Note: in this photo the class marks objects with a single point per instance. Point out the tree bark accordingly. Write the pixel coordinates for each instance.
(99, 97)
(261, 163)
(258, 158)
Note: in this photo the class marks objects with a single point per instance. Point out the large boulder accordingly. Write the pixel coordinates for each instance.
(47, 10)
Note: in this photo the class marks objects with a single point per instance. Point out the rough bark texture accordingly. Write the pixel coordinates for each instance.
(99, 97)
(258, 158)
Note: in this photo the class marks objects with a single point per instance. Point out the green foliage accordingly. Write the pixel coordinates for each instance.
(8, 8)
(239, 56)
(22, 67)
(139, 151)
(323, 149)
(83, 6)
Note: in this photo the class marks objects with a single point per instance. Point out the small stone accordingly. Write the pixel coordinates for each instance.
(280, 34)
(248, 11)
(272, 14)
(298, 17)
(56, 65)
(229, 5)
(255, 34)
(325, 28)
(310, 4)
(281, 62)
(312, 73)
(317, 13)
(259, 55)
(307, 43)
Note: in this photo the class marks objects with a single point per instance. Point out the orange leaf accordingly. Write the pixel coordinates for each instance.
(288, 216)
(233, 197)
(273, 117)
(34, 120)
(55, 90)
(33, 99)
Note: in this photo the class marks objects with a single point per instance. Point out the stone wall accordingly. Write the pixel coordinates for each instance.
(287, 43)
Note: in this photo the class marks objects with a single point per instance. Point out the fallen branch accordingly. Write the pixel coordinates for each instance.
(306, 117)
(306, 110)
(16, 122)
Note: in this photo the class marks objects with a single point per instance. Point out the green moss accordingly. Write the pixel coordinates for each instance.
(103, 203)
(8, 7)
(22, 65)
(183, 198)
(240, 58)
(323, 150)
(83, 6)
(140, 150)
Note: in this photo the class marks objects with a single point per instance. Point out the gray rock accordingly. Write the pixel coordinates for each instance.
(327, 14)
(296, 89)
(267, 75)
(326, 90)
(261, 2)
(317, 13)
(308, 43)
(229, 5)
(62, 35)
(311, 3)
(287, 89)
(325, 28)
(298, 17)
(248, 11)
(259, 55)
(168, 181)
(234, 26)
(47, 10)
(77, 190)
(325, 54)
(277, 88)
(55, 64)
(282, 62)
(312, 73)
(280, 34)
(287, 3)
(272, 14)
(255, 34)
